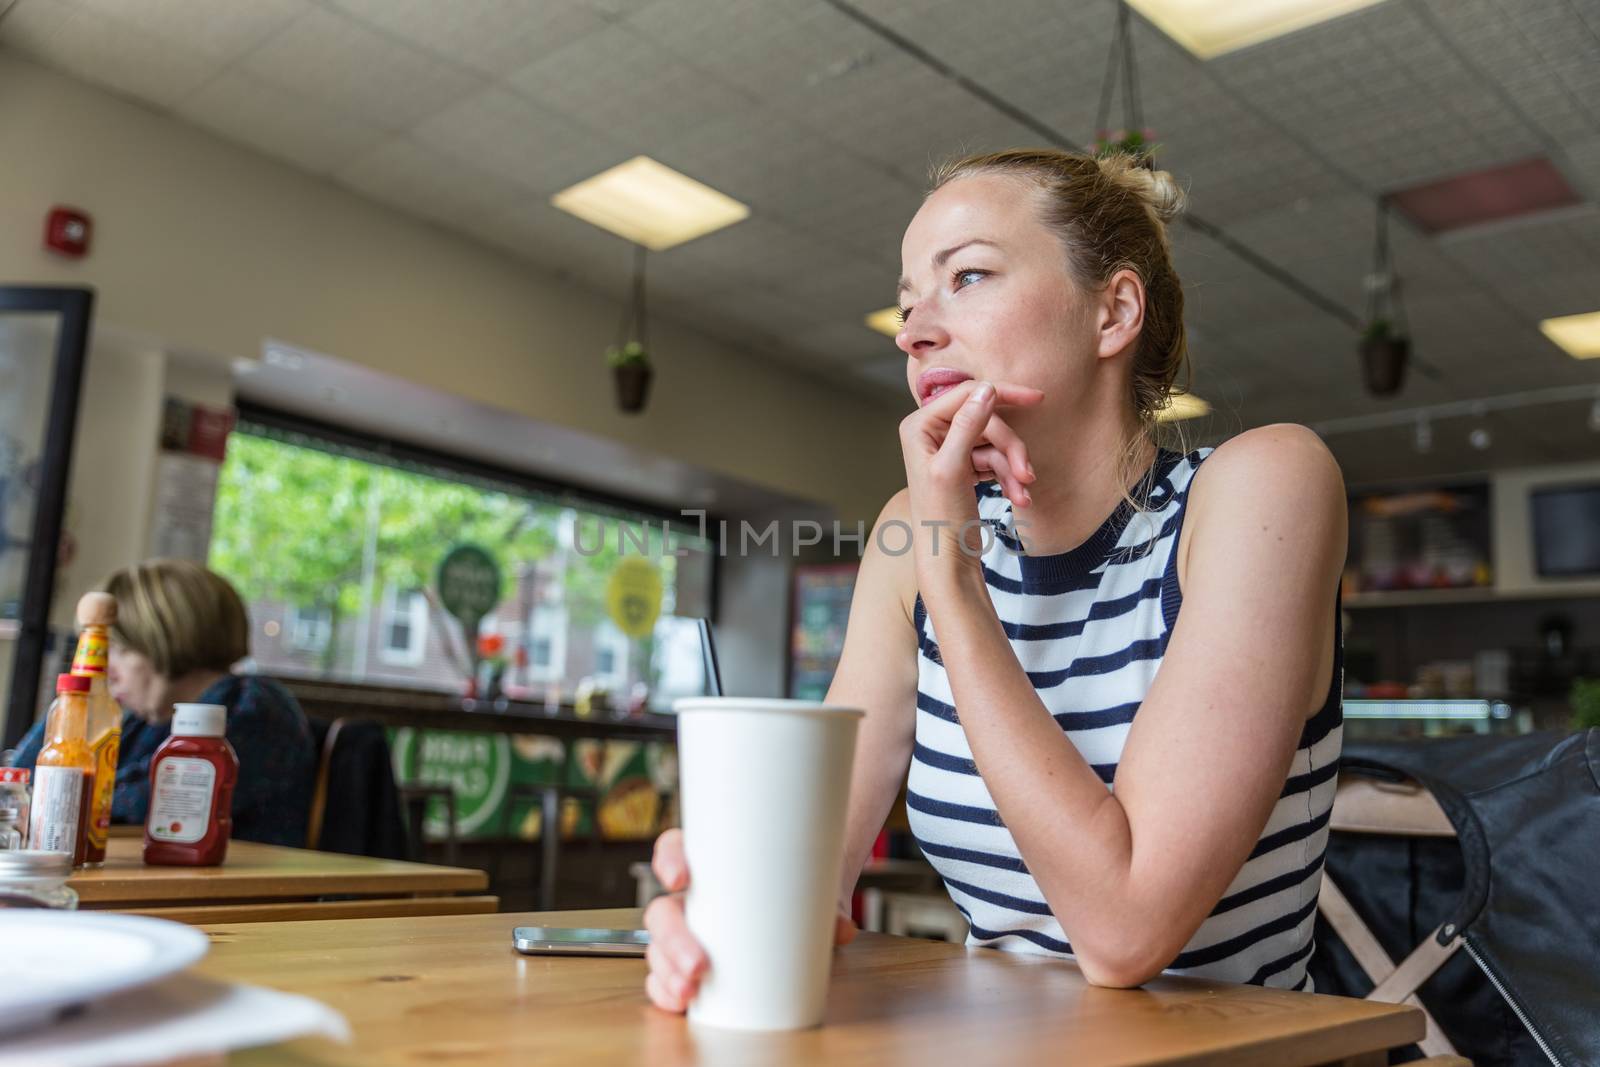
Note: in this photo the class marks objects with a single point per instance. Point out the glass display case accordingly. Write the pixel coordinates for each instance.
(1394, 720)
(43, 336)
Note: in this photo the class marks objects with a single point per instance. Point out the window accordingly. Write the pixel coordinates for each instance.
(405, 626)
(611, 657)
(547, 644)
(312, 515)
(310, 628)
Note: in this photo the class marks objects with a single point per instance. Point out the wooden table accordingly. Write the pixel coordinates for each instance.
(450, 989)
(269, 882)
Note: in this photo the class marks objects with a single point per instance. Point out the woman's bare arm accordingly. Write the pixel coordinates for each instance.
(1131, 874)
(878, 674)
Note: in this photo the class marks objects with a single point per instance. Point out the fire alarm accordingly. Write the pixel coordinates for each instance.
(66, 230)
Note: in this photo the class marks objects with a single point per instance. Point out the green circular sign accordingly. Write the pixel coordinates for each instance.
(469, 583)
(477, 767)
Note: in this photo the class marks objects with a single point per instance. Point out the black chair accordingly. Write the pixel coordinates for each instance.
(355, 805)
(1497, 866)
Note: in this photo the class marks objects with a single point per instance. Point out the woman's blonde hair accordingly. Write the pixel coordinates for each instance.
(1111, 214)
(180, 616)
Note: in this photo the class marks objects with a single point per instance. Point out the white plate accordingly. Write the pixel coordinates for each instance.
(56, 960)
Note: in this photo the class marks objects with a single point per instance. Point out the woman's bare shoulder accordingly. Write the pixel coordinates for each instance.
(1283, 459)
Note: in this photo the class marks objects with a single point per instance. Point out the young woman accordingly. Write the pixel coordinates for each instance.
(180, 629)
(1113, 671)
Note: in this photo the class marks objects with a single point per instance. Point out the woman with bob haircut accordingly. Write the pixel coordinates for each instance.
(180, 631)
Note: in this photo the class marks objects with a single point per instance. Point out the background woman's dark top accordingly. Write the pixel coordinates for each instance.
(277, 760)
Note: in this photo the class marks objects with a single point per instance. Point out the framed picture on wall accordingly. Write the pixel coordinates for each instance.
(820, 608)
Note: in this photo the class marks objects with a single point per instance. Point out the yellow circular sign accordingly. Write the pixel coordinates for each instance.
(633, 596)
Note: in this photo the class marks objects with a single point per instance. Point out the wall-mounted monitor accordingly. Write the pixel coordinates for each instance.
(1566, 531)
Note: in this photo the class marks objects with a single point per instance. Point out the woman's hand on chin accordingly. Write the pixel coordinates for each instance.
(950, 444)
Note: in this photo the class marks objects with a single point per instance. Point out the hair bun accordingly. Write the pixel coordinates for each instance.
(1158, 189)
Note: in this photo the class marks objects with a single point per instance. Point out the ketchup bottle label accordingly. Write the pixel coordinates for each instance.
(180, 800)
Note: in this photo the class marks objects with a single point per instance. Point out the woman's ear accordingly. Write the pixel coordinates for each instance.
(1121, 313)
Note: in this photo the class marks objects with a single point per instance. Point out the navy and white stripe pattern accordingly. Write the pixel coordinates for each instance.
(1090, 628)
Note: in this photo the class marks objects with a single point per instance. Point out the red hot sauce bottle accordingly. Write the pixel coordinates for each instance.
(192, 776)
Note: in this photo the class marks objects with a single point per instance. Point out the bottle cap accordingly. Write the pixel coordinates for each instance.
(97, 609)
(200, 720)
(72, 683)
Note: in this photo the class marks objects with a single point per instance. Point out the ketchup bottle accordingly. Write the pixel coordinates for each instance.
(192, 776)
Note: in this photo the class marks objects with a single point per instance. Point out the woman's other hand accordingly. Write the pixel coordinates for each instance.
(676, 960)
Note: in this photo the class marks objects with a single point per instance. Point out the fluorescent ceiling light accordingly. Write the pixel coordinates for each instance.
(650, 204)
(886, 321)
(1579, 335)
(1208, 28)
(1183, 406)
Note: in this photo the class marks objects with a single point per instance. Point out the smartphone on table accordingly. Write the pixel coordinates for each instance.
(579, 941)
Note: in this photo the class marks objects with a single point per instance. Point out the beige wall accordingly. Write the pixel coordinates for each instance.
(213, 248)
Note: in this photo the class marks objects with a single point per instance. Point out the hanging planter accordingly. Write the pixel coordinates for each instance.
(1384, 355)
(1134, 138)
(630, 359)
(1385, 345)
(630, 367)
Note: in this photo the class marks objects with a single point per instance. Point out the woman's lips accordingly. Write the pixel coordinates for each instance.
(939, 380)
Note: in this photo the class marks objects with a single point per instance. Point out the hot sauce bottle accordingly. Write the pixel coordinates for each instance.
(63, 776)
(192, 776)
(96, 614)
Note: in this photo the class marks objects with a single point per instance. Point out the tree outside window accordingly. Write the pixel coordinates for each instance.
(345, 545)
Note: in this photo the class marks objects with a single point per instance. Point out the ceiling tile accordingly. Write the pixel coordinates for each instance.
(108, 53)
(622, 84)
(416, 179)
(340, 62)
(223, 30)
(491, 36)
(279, 122)
(535, 231)
(520, 139)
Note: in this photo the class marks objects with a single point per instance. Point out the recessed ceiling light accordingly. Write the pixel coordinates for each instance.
(1578, 335)
(1183, 406)
(1208, 28)
(886, 321)
(650, 204)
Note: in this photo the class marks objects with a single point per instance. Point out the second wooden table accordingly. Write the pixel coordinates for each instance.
(269, 882)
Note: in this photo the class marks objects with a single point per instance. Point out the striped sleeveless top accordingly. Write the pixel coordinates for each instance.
(1090, 626)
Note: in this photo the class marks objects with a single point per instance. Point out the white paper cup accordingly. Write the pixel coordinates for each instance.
(764, 785)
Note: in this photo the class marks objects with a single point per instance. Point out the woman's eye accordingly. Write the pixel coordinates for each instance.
(963, 273)
(902, 314)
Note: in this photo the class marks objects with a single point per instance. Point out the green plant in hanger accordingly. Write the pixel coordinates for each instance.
(632, 354)
(629, 358)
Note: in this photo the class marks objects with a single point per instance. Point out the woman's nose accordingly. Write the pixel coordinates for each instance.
(918, 338)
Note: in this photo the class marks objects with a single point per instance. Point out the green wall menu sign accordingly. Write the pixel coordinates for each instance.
(469, 584)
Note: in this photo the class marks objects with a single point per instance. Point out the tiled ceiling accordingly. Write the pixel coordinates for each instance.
(471, 113)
